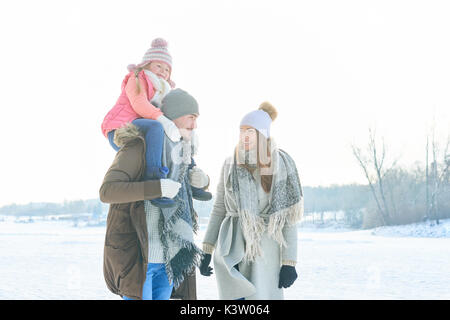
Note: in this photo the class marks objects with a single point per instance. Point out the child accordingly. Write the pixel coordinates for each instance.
(143, 89)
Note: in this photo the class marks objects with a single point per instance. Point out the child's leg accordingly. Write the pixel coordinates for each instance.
(154, 138)
(111, 140)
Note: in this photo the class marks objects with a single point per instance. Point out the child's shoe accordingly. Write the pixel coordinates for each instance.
(200, 194)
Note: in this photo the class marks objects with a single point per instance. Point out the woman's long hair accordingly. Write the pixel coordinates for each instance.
(264, 160)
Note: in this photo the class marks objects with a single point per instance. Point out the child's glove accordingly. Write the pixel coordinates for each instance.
(170, 128)
(198, 178)
(169, 188)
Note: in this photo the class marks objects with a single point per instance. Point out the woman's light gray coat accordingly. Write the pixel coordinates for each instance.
(256, 279)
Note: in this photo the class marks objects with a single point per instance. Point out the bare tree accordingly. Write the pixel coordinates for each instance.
(439, 175)
(374, 167)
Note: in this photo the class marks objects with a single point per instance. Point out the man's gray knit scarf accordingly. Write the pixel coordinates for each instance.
(178, 224)
(285, 202)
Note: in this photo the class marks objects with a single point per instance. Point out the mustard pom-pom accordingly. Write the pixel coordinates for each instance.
(270, 109)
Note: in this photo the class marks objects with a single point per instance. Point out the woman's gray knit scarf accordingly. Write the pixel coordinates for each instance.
(178, 224)
(285, 202)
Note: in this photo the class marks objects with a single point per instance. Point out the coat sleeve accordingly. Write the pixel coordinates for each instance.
(120, 185)
(289, 253)
(139, 101)
(216, 218)
(290, 232)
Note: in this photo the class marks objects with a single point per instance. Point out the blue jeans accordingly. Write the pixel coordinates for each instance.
(156, 285)
(154, 137)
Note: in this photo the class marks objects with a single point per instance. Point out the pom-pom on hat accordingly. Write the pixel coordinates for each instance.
(261, 119)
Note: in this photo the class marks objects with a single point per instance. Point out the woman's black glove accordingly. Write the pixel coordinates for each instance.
(287, 276)
(205, 269)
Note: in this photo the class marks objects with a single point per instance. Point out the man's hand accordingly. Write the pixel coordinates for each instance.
(198, 178)
(169, 188)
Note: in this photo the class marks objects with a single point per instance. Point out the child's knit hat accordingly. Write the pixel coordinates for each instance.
(157, 52)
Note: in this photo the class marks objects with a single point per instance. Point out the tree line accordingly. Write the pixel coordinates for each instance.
(392, 196)
(402, 196)
(93, 206)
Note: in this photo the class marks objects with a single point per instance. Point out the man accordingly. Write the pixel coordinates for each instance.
(150, 250)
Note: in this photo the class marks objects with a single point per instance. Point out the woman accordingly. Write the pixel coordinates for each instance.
(252, 229)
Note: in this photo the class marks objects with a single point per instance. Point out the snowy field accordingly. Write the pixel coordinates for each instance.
(55, 260)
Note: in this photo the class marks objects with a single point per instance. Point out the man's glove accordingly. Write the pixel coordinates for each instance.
(169, 188)
(198, 178)
(170, 128)
(287, 276)
(205, 269)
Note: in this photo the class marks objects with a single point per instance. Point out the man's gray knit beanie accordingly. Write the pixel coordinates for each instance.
(178, 103)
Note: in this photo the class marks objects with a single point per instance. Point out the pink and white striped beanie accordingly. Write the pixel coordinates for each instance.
(157, 52)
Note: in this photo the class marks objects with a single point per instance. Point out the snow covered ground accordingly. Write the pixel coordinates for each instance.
(54, 260)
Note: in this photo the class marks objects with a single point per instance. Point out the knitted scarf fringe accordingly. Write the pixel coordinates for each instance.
(190, 262)
(166, 231)
(254, 226)
(277, 221)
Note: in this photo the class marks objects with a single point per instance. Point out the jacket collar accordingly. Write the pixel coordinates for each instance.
(126, 134)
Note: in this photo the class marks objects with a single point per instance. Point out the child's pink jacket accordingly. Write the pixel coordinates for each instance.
(131, 105)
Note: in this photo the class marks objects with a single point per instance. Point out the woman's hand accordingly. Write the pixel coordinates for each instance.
(288, 275)
(205, 269)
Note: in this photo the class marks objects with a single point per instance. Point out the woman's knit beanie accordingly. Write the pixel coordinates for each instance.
(261, 119)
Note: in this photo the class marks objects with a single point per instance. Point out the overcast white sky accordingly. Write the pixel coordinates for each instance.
(331, 68)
